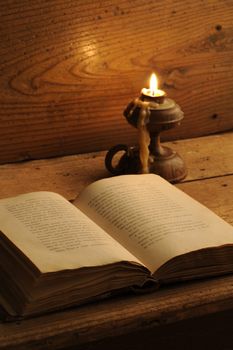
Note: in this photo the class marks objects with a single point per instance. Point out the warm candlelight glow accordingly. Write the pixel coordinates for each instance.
(153, 91)
(153, 84)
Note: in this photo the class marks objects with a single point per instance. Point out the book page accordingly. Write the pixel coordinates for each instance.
(152, 218)
(55, 235)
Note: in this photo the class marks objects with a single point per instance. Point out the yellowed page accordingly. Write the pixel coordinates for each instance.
(55, 235)
(152, 218)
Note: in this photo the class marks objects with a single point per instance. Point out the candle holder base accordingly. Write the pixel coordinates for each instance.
(168, 164)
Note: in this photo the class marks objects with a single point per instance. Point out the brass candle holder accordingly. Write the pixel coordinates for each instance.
(151, 113)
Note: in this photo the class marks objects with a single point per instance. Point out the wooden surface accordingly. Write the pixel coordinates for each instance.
(118, 317)
(68, 68)
(177, 315)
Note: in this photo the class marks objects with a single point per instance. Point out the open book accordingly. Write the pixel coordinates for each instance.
(121, 232)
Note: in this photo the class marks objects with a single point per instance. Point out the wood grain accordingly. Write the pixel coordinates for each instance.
(68, 69)
(205, 157)
(105, 320)
(215, 193)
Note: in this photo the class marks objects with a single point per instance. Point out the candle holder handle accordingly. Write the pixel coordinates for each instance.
(127, 163)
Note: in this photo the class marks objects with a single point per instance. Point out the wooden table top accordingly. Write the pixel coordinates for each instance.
(210, 180)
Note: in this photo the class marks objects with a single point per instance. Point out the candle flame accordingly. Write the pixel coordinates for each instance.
(153, 84)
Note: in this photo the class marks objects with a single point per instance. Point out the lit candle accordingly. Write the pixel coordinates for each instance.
(153, 93)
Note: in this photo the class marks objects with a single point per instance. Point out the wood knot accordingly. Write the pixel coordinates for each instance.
(218, 27)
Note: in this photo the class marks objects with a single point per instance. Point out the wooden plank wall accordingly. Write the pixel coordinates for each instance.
(69, 67)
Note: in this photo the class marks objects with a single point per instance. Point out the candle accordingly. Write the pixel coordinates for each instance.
(153, 93)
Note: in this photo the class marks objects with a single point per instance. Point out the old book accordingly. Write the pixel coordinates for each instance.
(123, 232)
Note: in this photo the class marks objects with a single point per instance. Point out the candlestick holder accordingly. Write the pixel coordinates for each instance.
(151, 115)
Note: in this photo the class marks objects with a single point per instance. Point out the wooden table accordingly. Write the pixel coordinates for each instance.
(182, 316)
